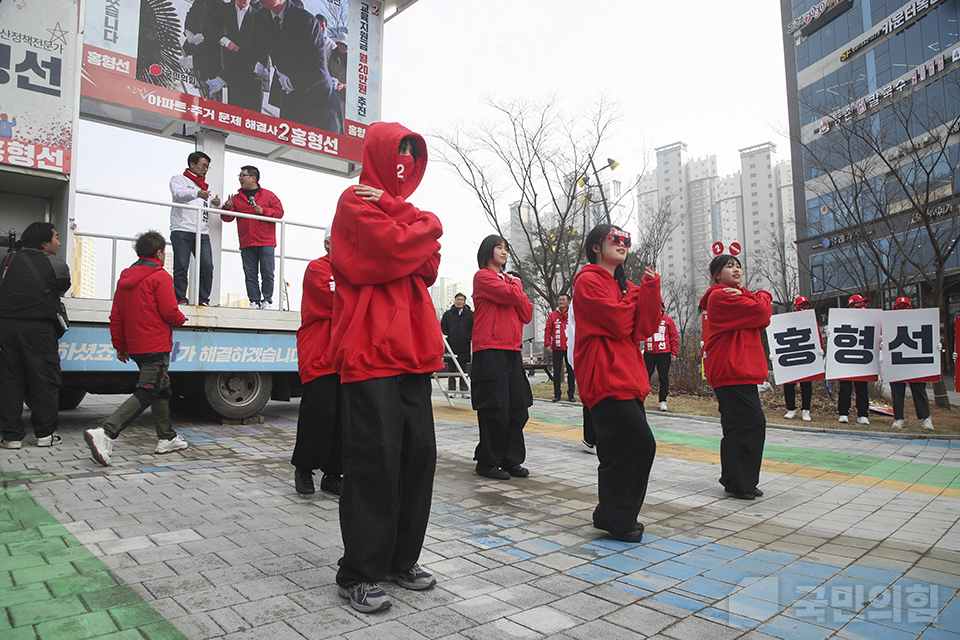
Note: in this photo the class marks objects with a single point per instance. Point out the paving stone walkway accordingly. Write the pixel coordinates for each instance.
(857, 537)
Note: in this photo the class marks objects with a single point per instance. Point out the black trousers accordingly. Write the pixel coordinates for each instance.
(589, 433)
(626, 449)
(744, 432)
(559, 362)
(464, 360)
(660, 362)
(29, 368)
(846, 393)
(320, 427)
(501, 394)
(920, 400)
(806, 395)
(389, 459)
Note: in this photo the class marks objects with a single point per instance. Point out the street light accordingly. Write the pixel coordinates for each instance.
(585, 181)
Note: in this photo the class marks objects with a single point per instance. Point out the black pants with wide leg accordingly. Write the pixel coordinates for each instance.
(501, 395)
(744, 432)
(320, 427)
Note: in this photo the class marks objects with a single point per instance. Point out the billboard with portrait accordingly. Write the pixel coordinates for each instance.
(301, 73)
(38, 44)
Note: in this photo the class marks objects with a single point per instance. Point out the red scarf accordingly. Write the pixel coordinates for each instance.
(195, 179)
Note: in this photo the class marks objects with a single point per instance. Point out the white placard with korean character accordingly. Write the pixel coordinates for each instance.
(795, 351)
(911, 345)
(853, 344)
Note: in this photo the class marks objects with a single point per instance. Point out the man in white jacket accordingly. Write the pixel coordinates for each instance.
(191, 188)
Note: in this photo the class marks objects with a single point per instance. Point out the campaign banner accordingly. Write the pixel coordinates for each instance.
(239, 67)
(853, 344)
(90, 349)
(795, 350)
(38, 43)
(911, 345)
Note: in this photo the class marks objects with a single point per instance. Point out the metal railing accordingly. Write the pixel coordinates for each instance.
(194, 289)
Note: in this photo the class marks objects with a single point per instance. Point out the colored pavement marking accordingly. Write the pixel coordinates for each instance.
(832, 466)
(52, 587)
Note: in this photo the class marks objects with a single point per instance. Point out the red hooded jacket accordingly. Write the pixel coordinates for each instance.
(734, 352)
(256, 233)
(385, 257)
(609, 328)
(144, 309)
(555, 332)
(665, 339)
(502, 310)
(316, 320)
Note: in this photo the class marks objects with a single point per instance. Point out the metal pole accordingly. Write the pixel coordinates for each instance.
(282, 288)
(603, 196)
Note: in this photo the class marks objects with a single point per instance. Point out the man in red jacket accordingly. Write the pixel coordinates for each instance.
(659, 351)
(141, 326)
(319, 430)
(386, 343)
(258, 238)
(555, 339)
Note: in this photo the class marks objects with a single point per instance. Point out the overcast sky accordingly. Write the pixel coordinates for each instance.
(703, 72)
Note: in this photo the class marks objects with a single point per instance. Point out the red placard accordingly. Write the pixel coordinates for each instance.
(717, 248)
(735, 249)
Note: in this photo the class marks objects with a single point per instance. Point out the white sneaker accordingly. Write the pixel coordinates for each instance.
(863, 420)
(663, 406)
(790, 415)
(928, 424)
(169, 446)
(589, 448)
(101, 445)
(50, 440)
(805, 415)
(266, 305)
(844, 419)
(897, 424)
(256, 304)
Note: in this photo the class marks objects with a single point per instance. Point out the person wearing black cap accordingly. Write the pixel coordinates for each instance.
(856, 301)
(800, 303)
(898, 390)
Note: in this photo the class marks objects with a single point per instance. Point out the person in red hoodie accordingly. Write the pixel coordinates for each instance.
(258, 238)
(659, 351)
(612, 317)
(555, 341)
(319, 424)
(501, 392)
(735, 364)
(141, 327)
(385, 344)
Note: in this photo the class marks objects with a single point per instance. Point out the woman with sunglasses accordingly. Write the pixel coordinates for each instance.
(612, 317)
(500, 391)
(734, 364)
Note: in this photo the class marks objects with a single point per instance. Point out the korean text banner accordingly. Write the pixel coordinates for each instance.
(38, 43)
(853, 344)
(911, 345)
(795, 349)
(305, 77)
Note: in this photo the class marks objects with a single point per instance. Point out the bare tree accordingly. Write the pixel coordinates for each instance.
(523, 165)
(777, 262)
(889, 218)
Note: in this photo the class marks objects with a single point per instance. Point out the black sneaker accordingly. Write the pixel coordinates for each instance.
(741, 496)
(413, 578)
(497, 473)
(519, 472)
(365, 597)
(303, 479)
(331, 484)
(557, 399)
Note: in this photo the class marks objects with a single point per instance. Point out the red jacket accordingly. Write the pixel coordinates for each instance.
(555, 332)
(502, 308)
(385, 256)
(609, 328)
(665, 339)
(144, 309)
(733, 352)
(316, 320)
(256, 233)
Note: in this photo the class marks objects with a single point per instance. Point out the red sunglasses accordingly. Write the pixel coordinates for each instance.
(617, 236)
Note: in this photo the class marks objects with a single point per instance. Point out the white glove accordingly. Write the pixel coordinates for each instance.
(216, 84)
(285, 83)
(193, 38)
(226, 42)
(333, 285)
(261, 71)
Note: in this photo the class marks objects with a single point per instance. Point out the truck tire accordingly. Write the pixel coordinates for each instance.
(235, 394)
(70, 398)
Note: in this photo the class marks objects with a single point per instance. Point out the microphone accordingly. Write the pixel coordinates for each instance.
(252, 202)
